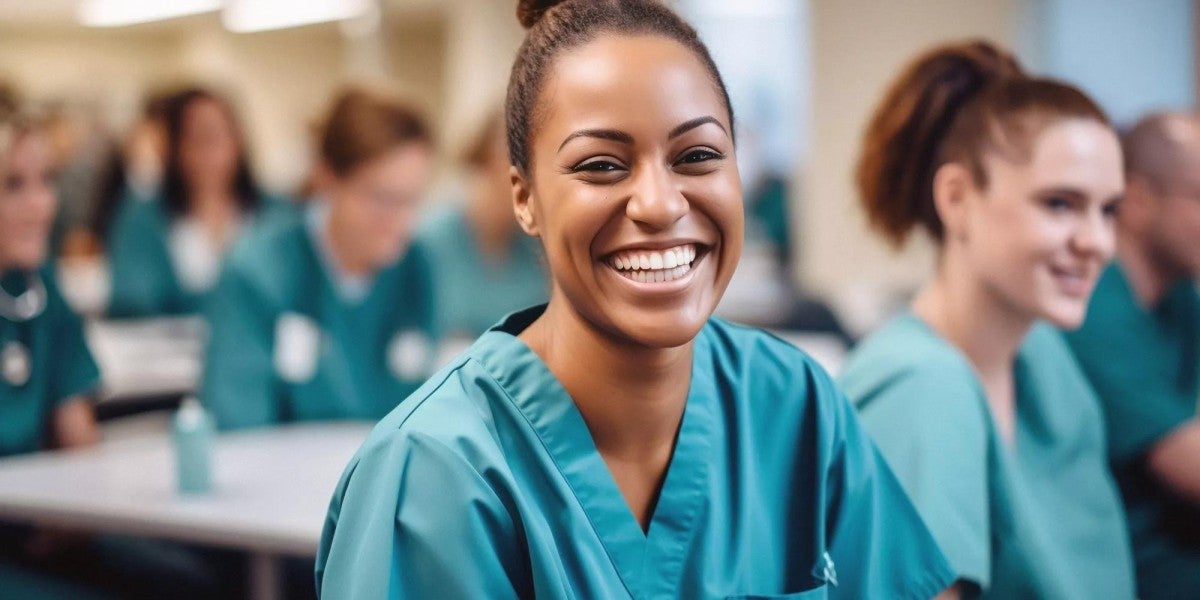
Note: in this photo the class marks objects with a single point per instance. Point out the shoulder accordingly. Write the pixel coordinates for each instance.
(906, 368)
(136, 213)
(740, 351)
(446, 423)
(57, 307)
(266, 255)
(442, 231)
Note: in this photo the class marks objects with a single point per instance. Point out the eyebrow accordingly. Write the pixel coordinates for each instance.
(694, 123)
(625, 138)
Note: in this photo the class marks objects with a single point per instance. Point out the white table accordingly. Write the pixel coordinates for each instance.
(271, 491)
(147, 357)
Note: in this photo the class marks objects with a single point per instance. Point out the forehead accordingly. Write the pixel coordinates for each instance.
(639, 82)
(1076, 153)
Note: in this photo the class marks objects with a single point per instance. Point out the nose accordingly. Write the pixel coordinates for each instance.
(1095, 236)
(655, 202)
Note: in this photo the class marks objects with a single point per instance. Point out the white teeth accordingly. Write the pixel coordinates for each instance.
(655, 267)
(670, 260)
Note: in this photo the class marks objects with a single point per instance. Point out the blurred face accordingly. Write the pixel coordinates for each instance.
(1175, 227)
(208, 149)
(373, 208)
(1039, 235)
(27, 203)
(634, 188)
(493, 192)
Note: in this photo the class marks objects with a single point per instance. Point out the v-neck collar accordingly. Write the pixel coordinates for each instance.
(646, 562)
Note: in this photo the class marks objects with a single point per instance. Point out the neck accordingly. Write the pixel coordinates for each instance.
(983, 327)
(631, 397)
(341, 245)
(1149, 278)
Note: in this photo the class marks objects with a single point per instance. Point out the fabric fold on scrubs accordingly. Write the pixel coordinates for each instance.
(1038, 519)
(285, 345)
(486, 483)
(1145, 367)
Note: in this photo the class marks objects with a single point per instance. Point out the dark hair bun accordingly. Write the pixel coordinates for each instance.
(529, 12)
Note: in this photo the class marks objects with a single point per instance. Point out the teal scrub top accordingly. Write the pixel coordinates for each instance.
(1039, 519)
(143, 276)
(1145, 367)
(286, 345)
(473, 290)
(486, 483)
(59, 366)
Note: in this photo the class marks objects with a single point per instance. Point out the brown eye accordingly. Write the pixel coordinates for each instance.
(596, 166)
(1058, 203)
(699, 155)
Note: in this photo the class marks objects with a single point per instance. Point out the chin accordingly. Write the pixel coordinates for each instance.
(660, 331)
(1065, 314)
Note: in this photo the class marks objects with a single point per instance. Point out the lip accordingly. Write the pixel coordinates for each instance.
(1073, 281)
(654, 245)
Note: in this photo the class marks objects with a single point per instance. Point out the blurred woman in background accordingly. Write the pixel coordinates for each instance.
(978, 405)
(47, 381)
(328, 314)
(165, 254)
(479, 248)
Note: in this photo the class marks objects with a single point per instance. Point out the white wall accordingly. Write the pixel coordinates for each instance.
(1132, 57)
(280, 80)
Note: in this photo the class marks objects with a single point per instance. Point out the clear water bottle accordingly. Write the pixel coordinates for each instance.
(192, 431)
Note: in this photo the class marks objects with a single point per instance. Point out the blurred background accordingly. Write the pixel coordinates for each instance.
(803, 76)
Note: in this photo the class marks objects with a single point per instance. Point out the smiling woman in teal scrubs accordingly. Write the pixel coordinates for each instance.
(329, 314)
(618, 441)
(977, 405)
(165, 253)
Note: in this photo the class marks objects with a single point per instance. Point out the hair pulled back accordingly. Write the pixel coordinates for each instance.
(953, 104)
(556, 26)
(363, 125)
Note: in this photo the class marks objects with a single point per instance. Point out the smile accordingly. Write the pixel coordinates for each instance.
(1075, 282)
(654, 266)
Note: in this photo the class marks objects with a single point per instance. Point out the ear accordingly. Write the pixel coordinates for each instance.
(952, 184)
(522, 197)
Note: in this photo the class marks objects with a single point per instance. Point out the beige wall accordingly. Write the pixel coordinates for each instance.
(280, 80)
(858, 45)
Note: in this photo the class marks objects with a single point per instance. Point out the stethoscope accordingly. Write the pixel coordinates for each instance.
(15, 364)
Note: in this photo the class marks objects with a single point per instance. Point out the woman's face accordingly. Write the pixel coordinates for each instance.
(374, 206)
(1040, 234)
(634, 188)
(27, 202)
(208, 147)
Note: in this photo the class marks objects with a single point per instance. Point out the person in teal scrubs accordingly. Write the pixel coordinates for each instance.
(479, 247)
(47, 383)
(618, 442)
(971, 394)
(165, 253)
(329, 314)
(1140, 347)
